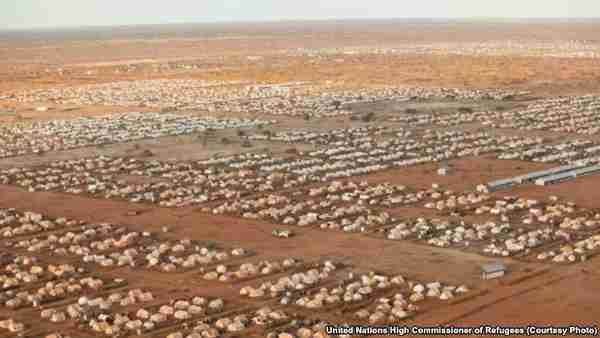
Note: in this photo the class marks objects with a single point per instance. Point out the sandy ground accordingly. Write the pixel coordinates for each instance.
(558, 296)
(414, 260)
(42, 59)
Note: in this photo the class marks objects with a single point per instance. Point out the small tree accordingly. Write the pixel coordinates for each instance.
(147, 153)
(268, 134)
(368, 117)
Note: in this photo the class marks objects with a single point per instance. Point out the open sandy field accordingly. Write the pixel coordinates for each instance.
(363, 153)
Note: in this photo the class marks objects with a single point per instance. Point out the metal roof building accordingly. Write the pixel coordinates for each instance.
(495, 185)
(587, 171)
(568, 175)
(555, 178)
(538, 174)
(506, 182)
(493, 270)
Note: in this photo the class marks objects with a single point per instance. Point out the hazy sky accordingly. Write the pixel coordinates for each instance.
(59, 13)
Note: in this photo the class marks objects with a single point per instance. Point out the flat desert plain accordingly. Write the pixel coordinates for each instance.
(270, 179)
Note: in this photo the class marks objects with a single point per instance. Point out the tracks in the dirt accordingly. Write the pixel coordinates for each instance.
(490, 296)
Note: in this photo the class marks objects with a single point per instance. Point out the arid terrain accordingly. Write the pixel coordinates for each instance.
(268, 179)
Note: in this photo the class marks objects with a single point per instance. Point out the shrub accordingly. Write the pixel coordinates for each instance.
(368, 117)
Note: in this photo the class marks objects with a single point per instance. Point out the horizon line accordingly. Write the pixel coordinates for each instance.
(290, 20)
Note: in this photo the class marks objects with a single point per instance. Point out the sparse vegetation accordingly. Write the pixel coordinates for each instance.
(346, 172)
(369, 117)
